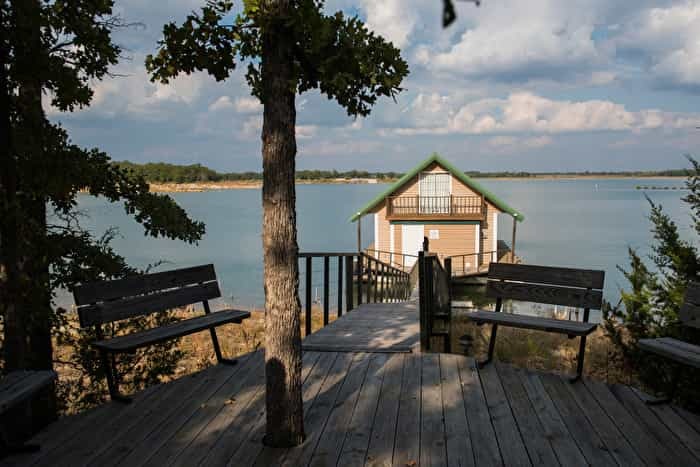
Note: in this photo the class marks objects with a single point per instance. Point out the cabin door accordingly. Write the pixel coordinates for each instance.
(411, 242)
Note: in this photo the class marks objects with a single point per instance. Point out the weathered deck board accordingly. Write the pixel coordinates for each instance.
(538, 446)
(581, 430)
(378, 409)
(457, 440)
(373, 327)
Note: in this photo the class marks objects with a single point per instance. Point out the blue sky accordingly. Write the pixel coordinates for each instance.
(539, 85)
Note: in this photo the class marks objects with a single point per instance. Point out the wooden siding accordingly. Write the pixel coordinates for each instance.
(383, 243)
(455, 239)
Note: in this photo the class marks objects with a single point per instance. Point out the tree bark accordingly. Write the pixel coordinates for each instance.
(29, 315)
(284, 410)
(14, 338)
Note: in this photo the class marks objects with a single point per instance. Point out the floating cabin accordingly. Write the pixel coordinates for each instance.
(438, 202)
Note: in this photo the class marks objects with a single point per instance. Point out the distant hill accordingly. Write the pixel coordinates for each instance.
(161, 172)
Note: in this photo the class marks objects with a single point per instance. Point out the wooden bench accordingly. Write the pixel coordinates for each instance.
(108, 301)
(579, 288)
(681, 352)
(16, 388)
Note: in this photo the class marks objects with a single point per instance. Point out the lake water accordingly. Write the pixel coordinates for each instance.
(584, 223)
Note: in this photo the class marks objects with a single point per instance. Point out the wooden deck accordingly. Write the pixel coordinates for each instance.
(378, 409)
(373, 327)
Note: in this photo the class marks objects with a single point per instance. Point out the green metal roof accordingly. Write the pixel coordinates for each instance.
(434, 157)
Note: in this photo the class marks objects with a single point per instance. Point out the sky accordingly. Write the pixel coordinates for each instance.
(536, 85)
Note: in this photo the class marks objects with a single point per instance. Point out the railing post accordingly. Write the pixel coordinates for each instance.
(448, 337)
(359, 279)
(422, 299)
(339, 312)
(382, 279)
(308, 296)
(326, 286)
(349, 260)
(376, 282)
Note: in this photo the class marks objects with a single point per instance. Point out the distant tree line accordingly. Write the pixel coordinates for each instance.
(161, 172)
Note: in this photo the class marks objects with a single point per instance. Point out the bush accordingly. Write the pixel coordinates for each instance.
(650, 307)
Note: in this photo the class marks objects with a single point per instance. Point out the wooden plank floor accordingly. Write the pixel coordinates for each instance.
(372, 327)
(379, 409)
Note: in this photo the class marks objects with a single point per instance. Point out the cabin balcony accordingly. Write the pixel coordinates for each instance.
(468, 208)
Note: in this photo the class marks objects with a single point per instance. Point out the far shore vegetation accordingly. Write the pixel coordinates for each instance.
(163, 175)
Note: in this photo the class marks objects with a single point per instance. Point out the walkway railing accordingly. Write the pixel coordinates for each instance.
(398, 260)
(435, 303)
(358, 277)
(475, 263)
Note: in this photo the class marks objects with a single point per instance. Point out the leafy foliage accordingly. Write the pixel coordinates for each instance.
(59, 48)
(651, 306)
(334, 54)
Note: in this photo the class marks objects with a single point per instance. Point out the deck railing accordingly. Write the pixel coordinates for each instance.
(435, 302)
(359, 278)
(412, 207)
(475, 263)
(398, 260)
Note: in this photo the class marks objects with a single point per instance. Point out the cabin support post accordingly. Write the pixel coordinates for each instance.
(359, 234)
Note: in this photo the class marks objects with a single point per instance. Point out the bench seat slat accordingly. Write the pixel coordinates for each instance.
(673, 349)
(181, 328)
(574, 328)
(19, 386)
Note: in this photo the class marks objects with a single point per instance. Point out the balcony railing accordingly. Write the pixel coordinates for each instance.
(436, 207)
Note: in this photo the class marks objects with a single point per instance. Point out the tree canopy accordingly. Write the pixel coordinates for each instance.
(335, 54)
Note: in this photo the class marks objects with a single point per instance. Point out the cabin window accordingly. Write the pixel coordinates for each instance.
(434, 189)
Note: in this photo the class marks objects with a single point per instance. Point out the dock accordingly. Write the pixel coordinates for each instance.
(370, 398)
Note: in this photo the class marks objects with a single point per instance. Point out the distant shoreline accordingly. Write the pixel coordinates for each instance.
(257, 184)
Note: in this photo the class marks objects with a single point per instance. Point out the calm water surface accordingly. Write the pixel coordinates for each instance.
(583, 223)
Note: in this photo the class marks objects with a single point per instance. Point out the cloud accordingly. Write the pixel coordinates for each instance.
(222, 103)
(528, 112)
(534, 142)
(246, 105)
(306, 131)
(512, 41)
(669, 40)
(392, 19)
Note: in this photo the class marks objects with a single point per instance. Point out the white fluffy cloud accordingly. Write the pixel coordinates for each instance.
(670, 37)
(247, 105)
(527, 112)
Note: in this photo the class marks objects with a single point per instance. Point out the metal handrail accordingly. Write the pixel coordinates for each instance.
(391, 256)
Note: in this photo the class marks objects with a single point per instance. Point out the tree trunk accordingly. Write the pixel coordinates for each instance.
(29, 329)
(14, 338)
(285, 423)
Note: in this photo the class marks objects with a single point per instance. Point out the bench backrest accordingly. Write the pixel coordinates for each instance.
(690, 311)
(581, 288)
(107, 301)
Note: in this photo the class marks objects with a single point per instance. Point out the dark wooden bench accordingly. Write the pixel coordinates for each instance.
(16, 388)
(581, 288)
(680, 352)
(108, 301)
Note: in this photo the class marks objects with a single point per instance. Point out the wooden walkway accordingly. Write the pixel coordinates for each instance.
(378, 409)
(372, 327)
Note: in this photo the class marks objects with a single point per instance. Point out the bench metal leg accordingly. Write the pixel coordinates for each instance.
(579, 360)
(217, 350)
(492, 346)
(671, 392)
(112, 384)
